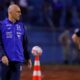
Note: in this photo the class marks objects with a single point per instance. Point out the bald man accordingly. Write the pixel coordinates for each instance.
(14, 44)
(76, 40)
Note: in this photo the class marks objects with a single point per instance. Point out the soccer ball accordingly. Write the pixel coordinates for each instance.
(36, 51)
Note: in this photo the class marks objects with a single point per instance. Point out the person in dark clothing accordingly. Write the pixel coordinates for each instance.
(66, 45)
(76, 40)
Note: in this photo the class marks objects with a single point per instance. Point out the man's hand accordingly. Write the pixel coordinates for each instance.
(5, 60)
(30, 63)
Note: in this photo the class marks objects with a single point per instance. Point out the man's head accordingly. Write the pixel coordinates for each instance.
(14, 12)
(77, 32)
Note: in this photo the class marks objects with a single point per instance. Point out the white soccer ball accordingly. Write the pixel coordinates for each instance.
(36, 51)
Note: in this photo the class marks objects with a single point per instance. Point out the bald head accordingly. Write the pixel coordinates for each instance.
(12, 7)
(14, 12)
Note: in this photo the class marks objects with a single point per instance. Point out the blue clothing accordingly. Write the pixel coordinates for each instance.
(2, 51)
(57, 5)
(14, 40)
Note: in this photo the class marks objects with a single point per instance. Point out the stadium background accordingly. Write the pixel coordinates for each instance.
(42, 30)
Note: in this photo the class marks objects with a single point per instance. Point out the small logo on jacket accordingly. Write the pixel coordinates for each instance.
(18, 27)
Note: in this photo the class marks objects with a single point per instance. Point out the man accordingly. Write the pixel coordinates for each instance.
(14, 44)
(66, 45)
(76, 40)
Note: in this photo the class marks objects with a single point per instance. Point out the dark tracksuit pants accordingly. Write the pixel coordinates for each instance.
(10, 72)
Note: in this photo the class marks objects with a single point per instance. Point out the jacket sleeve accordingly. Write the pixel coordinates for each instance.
(25, 45)
(2, 50)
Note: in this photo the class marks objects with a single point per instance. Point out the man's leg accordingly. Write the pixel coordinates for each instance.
(15, 67)
(5, 75)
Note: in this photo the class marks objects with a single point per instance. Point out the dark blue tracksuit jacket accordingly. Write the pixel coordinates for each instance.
(14, 40)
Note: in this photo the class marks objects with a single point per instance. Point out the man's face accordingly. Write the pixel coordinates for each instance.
(16, 14)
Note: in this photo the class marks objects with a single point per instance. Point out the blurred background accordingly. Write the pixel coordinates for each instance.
(50, 25)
